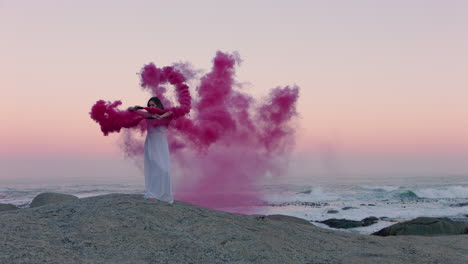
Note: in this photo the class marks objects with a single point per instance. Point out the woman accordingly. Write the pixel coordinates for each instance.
(157, 164)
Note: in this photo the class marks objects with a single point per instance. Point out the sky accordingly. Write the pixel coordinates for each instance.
(384, 84)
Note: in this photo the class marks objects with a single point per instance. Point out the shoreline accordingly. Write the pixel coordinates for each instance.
(125, 228)
(365, 230)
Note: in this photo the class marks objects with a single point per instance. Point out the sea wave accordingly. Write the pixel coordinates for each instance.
(383, 188)
(443, 192)
(313, 195)
(407, 194)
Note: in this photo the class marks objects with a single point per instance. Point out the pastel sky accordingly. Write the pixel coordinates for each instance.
(384, 84)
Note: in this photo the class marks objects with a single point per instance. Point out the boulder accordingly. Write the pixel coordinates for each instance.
(344, 223)
(49, 197)
(425, 226)
(341, 223)
(369, 221)
(332, 211)
(7, 207)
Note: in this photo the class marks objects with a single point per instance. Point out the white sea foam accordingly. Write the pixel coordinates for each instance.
(368, 200)
(386, 188)
(394, 200)
(316, 194)
(445, 192)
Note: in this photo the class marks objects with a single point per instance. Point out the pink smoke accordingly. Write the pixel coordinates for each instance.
(112, 119)
(152, 77)
(229, 142)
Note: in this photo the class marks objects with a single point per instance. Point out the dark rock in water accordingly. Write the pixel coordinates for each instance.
(459, 205)
(7, 207)
(348, 207)
(332, 212)
(127, 229)
(344, 223)
(341, 223)
(425, 226)
(369, 221)
(288, 219)
(306, 192)
(370, 204)
(47, 198)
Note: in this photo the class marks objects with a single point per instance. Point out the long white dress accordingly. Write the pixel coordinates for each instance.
(157, 165)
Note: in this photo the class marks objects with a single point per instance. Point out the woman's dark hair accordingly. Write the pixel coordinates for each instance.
(156, 101)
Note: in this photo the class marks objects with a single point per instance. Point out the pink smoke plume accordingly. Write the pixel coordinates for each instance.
(112, 119)
(229, 142)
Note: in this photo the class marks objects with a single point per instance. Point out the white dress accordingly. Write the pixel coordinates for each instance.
(157, 165)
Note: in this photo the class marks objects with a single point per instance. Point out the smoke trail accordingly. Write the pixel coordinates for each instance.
(230, 141)
(112, 119)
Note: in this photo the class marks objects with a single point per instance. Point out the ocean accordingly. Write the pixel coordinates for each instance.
(391, 199)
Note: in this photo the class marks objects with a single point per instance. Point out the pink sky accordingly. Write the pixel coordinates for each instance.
(384, 86)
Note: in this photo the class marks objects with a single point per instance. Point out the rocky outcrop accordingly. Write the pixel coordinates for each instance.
(49, 197)
(7, 207)
(344, 223)
(425, 226)
(126, 228)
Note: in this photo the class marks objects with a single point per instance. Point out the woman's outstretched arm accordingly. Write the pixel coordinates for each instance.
(154, 110)
(139, 112)
(165, 114)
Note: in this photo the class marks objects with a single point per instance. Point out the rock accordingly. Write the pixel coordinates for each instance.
(348, 207)
(288, 219)
(344, 223)
(369, 221)
(425, 226)
(126, 228)
(459, 205)
(341, 223)
(332, 212)
(7, 207)
(47, 198)
(305, 192)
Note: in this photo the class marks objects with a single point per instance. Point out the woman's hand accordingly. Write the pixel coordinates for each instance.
(134, 108)
(157, 117)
